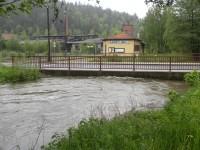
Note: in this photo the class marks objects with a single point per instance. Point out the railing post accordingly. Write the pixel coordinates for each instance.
(40, 63)
(100, 59)
(170, 64)
(133, 63)
(69, 63)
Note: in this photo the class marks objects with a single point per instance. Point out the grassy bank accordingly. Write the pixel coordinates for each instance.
(14, 75)
(176, 127)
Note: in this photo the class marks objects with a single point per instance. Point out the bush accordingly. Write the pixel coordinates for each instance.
(6, 55)
(2, 44)
(14, 75)
(87, 50)
(192, 78)
(173, 95)
(13, 45)
(27, 47)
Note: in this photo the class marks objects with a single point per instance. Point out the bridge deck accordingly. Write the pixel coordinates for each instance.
(127, 65)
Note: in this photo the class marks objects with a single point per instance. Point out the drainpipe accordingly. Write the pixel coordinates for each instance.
(105, 49)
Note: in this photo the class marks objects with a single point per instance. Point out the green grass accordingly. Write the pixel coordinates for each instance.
(15, 74)
(176, 127)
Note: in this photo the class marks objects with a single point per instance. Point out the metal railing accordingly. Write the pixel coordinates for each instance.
(110, 63)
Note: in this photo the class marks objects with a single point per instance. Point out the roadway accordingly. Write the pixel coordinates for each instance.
(156, 67)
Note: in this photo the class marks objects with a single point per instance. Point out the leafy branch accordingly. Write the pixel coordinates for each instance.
(161, 2)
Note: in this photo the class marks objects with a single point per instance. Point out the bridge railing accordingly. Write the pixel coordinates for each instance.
(117, 63)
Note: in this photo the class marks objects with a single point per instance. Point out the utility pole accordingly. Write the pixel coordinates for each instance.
(192, 32)
(66, 26)
(49, 44)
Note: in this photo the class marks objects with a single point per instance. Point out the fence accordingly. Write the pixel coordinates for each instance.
(110, 63)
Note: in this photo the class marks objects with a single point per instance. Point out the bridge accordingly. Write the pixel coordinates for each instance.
(170, 67)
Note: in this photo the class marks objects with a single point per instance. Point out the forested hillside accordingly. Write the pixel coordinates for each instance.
(83, 19)
(174, 28)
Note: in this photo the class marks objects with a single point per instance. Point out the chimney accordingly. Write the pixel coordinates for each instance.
(128, 29)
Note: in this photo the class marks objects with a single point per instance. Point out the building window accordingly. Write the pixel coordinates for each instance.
(137, 48)
(116, 50)
(113, 42)
(119, 41)
(124, 42)
(119, 50)
(111, 49)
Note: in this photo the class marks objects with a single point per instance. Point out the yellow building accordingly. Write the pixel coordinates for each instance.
(122, 45)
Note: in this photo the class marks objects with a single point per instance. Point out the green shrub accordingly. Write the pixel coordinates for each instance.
(2, 44)
(173, 95)
(13, 45)
(27, 47)
(14, 75)
(192, 78)
(85, 49)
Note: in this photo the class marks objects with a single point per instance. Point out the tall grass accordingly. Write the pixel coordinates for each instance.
(176, 127)
(15, 74)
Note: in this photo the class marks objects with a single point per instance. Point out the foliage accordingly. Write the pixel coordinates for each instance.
(14, 75)
(162, 3)
(13, 45)
(177, 126)
(27, 47)
(5, 56)
(36, 47)
(153, 31)
(2, 44)
(174, 28)
(83, 19)
(14, 6)
(173, 95)
(192, 78)
(87, 49)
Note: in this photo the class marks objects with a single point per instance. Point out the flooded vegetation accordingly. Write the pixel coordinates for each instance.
(56, 104)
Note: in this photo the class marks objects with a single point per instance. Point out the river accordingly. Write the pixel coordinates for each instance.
(38, 110)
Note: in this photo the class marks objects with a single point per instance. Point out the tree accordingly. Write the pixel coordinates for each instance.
(172, 33)
(161, 2)
(13, 6)
(24, 35)
(53, 30)
(179, 26)
(22, 5)
(191, 11)
(183, 26)
(154, 29)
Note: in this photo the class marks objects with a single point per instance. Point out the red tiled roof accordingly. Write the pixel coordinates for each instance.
(121, 36)
(7, 36)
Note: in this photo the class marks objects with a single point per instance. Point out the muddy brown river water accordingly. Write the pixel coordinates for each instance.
(56, 104)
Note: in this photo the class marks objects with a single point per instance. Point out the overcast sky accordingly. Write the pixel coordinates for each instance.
(129, 6)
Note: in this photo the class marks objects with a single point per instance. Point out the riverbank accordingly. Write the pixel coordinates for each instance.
(177, 126)
(15, 74)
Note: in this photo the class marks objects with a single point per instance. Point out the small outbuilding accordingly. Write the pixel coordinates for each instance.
(123, 44)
